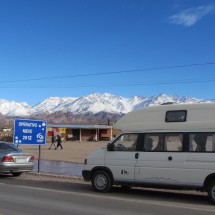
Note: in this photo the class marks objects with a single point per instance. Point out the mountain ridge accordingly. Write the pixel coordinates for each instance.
(93, 103)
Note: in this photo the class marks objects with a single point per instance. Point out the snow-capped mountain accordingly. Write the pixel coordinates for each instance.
(52, 105)
(92, 103)
(12, 108)
(163, 98)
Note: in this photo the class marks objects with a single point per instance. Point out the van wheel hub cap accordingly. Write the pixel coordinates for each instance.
(100, 182)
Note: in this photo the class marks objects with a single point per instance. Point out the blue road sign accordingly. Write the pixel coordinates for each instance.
(31, 132)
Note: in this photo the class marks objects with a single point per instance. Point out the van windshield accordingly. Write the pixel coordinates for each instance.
(126, 142)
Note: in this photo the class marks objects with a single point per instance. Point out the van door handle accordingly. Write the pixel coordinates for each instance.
(170, 158)
(136, 155)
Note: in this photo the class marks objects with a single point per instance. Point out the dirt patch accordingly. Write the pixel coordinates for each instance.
(73, 151)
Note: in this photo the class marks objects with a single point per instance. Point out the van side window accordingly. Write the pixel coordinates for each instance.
(176, 116)
(202, 142)
(153, 142)
(173, 142)
(126, 142)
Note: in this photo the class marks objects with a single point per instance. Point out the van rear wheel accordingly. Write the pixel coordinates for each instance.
(211, 191)
(101, 181)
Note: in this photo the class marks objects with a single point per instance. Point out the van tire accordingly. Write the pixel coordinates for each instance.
(211, 191)
(101, 181)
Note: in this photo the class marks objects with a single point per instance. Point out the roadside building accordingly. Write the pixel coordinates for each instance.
(73, 132)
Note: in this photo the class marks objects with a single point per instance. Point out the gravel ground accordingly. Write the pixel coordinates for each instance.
(52, 177)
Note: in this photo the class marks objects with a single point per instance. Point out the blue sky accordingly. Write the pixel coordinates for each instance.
(71, 48)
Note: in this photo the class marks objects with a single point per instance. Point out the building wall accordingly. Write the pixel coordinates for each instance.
(70, 134)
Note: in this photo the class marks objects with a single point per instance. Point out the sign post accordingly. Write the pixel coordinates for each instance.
(30, 132)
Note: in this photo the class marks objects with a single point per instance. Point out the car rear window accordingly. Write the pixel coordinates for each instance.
(8, 147)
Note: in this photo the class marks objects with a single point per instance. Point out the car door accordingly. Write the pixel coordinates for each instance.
(121, 160)
(162, 160)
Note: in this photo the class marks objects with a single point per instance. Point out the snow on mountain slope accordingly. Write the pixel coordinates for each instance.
(52, 104)
(106, 102)
(93, 103)
(163, 98)
(12, 108)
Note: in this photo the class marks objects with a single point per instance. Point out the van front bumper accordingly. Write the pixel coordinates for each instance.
(86, 175)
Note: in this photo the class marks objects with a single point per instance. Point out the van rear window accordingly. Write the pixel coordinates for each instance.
(176, 116)
(202, 142)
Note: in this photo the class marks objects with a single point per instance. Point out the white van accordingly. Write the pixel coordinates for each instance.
(169, 146)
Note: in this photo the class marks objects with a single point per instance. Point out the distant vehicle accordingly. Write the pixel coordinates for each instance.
(13, 160)
(169, 146)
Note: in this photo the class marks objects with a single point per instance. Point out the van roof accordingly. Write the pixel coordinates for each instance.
(200, 116)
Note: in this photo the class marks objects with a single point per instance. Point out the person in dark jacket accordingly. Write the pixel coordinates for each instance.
(59, 141)
(53, 141)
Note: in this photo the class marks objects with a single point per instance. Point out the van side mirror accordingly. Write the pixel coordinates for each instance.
(110, 147)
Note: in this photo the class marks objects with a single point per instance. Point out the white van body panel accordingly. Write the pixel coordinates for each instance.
(96, 158)
(198, 167)
(199, 117)
(154, 167)
(121, 164)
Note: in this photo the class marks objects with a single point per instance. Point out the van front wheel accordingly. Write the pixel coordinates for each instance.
(101, 181)
(211, 191)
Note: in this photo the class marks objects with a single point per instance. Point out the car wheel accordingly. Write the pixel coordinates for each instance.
(16, 174)
(211, 191)
(101, 181)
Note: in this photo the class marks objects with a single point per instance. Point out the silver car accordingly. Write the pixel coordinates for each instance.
(13, 160)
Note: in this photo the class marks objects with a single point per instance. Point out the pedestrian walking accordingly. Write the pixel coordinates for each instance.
(59, 141)
(53, 141)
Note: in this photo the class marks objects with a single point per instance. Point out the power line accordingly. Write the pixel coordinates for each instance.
(109, 73)
(170, 82)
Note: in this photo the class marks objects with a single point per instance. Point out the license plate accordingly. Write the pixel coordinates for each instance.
(21, 160)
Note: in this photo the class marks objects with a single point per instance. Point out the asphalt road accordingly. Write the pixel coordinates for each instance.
(24, 197)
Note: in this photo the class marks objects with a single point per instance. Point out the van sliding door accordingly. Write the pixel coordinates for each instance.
(161, 159)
